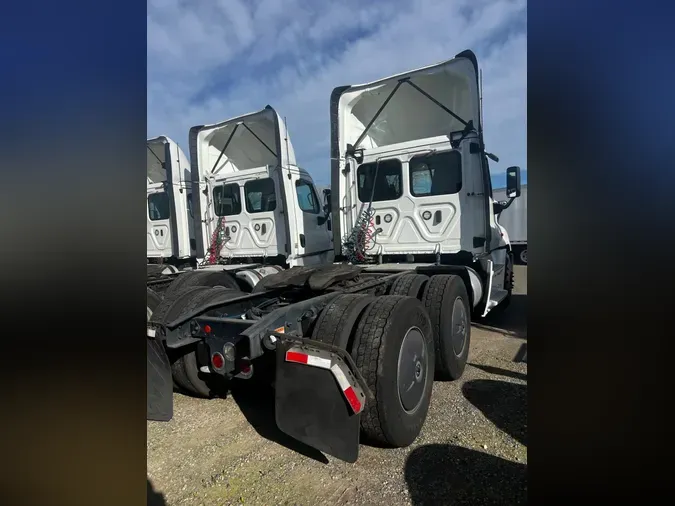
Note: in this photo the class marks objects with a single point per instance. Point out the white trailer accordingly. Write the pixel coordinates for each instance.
(514, 220)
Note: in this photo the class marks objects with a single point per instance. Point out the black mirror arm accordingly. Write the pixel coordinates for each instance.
(502, 205)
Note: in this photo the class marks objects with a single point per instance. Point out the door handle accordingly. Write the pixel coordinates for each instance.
(438, 215)
(264, 228)
(302, 240)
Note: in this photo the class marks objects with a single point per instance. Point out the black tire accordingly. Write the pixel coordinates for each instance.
(389, 322)
(410, 285)
(169, 306)
(172, 303)
(337, 322)
(203, 278)
(152, 301)
(522, 255)
(451, 323)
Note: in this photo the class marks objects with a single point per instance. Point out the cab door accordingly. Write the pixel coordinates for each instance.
(312, 222)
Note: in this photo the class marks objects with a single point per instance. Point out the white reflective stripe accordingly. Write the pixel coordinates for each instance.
(323, 363)
(340, 377)
(151, 332)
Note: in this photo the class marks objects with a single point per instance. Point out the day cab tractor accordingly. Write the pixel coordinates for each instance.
(170, 234)
(171, 246)
(253, 211)
(355, 346)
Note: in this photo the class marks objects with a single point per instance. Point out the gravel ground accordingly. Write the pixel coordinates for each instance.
(472, 449)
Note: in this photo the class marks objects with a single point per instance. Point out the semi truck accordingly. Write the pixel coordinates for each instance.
(354, 346)
(253, 211)
(170, 236)
(281, 220)
(514, 220)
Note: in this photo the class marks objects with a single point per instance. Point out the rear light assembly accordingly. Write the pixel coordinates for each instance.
(245, 369)
(217, 361)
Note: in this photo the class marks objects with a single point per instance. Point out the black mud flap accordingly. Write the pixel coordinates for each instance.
(160, 383)
(310, 407)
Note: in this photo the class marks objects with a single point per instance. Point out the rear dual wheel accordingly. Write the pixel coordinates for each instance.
(390, 340)
(447, 302)
(409, 284)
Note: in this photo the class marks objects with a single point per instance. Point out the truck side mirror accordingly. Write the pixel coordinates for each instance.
(326, 209)
(513, 182)
(326, 198)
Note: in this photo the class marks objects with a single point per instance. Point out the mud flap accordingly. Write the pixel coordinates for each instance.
(160, 383)
(310, 404)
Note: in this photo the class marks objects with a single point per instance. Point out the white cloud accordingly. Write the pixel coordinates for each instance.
(209, 60)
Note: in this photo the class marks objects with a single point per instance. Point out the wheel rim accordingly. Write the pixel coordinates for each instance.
(412, 370)
(459, 326)
(149, 312)
(523, 256)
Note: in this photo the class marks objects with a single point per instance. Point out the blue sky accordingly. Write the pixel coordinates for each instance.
(210, 60)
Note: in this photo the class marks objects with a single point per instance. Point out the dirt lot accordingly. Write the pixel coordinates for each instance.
(472, 449)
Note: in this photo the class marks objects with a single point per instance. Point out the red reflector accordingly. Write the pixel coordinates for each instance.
(294, 356)
(207, 329)
(353, 399)
(246, 368)
(217, 360)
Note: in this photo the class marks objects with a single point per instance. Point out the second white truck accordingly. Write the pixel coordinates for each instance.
(241, 206)
(252, 202)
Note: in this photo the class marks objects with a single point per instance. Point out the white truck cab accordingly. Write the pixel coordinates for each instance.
(410, 176)
(170, 235)
(252, 203)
